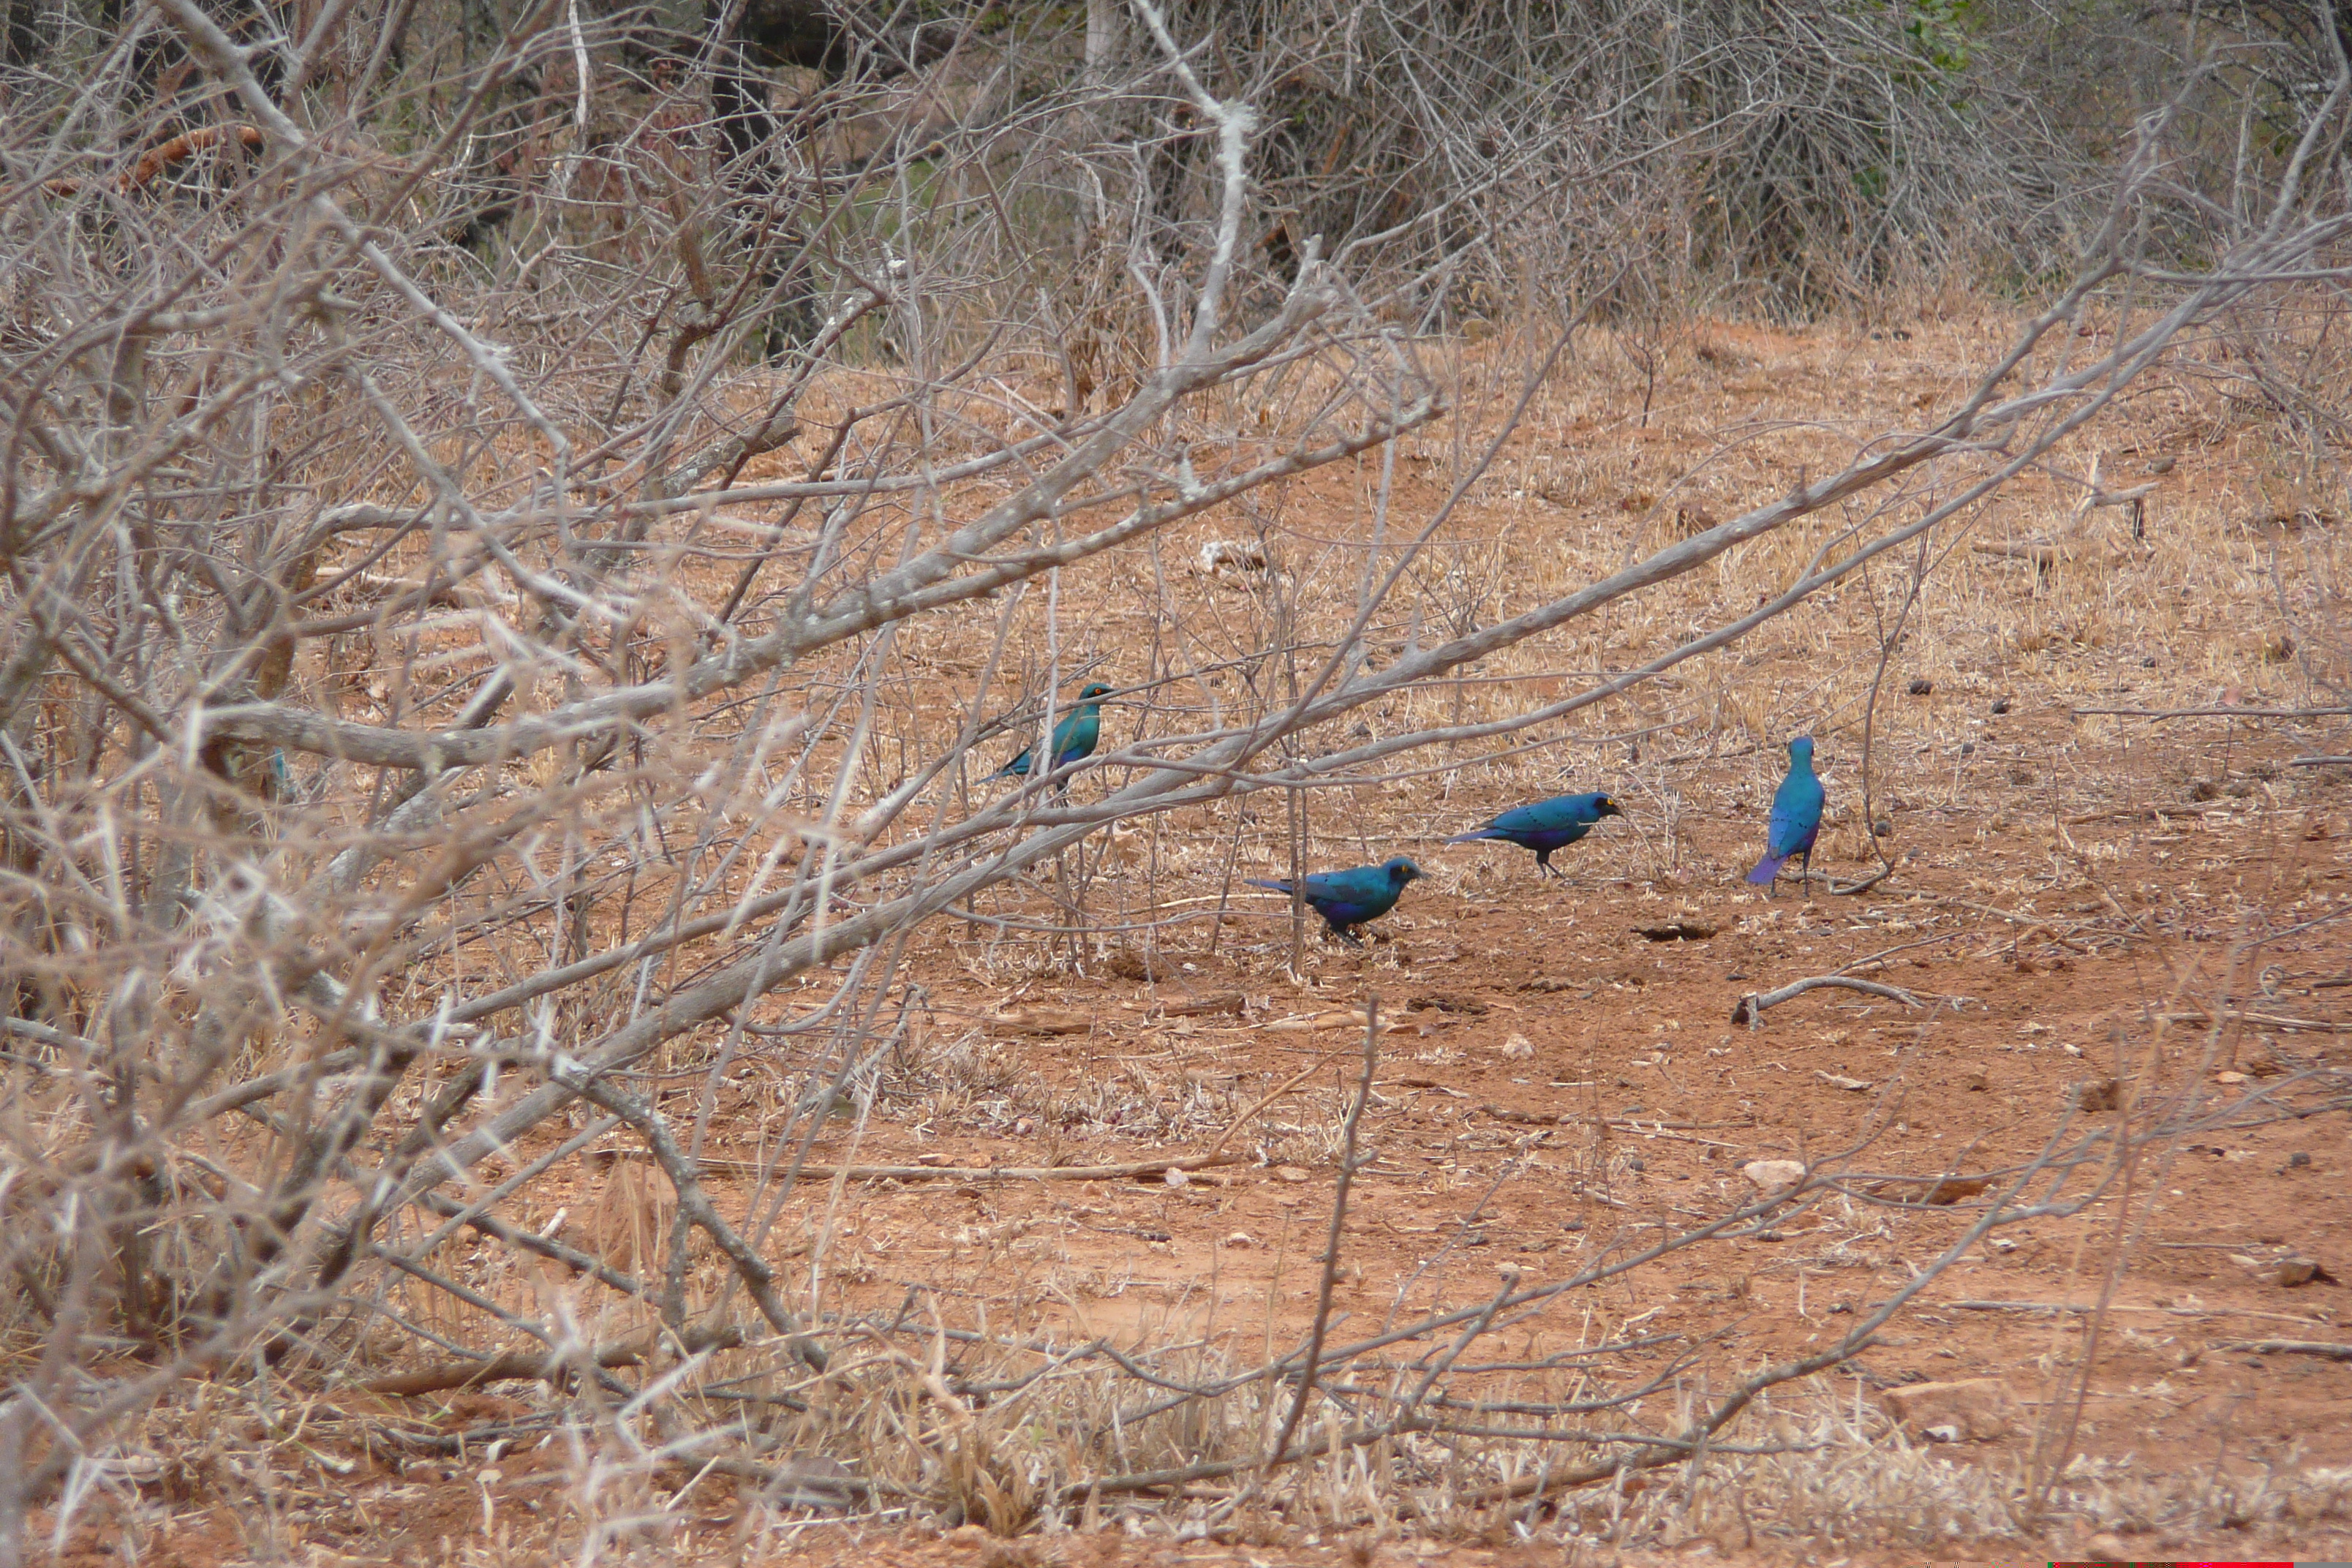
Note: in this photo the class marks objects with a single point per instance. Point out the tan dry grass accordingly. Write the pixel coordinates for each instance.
(1566, 504)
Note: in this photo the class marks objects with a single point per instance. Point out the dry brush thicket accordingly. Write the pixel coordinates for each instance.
(475, 692)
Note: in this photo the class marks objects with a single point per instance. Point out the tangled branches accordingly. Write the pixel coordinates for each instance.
(456, 691)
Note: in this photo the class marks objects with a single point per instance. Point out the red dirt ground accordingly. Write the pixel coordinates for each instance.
(2066, 908)
(1640, 1028)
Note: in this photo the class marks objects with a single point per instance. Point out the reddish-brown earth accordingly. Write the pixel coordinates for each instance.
(2072, 900)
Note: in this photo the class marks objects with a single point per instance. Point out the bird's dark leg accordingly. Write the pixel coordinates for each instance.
(1807, 877)
(1543, 864)
(1344, 934)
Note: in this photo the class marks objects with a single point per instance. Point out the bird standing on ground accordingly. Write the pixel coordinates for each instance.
(1796, 817)
(1074, 737)
(1349, 897)
(1547, 825)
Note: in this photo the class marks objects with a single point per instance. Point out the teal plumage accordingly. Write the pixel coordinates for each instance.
(1349, 897)
(1547, 825)
(1796, 819)
(1074, 738)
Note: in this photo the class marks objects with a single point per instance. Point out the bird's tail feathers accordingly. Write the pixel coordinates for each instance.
(1767, 868)
(1468, 837)
(1274, 887)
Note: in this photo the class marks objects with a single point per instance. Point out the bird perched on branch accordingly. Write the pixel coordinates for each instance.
(1349, 897)
(1547, 825)
(1074, 737)
(1796, 817)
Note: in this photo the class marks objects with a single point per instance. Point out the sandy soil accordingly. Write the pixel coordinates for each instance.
(2071, 901)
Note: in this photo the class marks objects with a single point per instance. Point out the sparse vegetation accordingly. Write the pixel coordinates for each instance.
(533, 1033)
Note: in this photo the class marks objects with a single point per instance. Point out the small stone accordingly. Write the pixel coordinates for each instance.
(2000, 704)
(1977, 1409)
(1176, 1178)
(1519, 1047)
(1883, 829)
(1289, 1174)
(1922, 688)
(1634, 1164)
(2108, 1549)
(2298, 1160)
(1773, 1175)
(1968, 748)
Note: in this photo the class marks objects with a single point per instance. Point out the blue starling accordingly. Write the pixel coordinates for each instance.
(1349, 897)
(1547, 824)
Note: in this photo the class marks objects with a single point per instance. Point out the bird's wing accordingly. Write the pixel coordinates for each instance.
(1796, 813)
(1549, 815)
(1368, 883)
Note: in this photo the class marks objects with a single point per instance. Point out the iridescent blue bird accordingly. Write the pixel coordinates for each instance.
(1547, 825)
(1074, 737)
(1796, 817)
(1348, 898)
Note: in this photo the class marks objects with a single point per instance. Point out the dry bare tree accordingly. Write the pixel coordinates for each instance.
(457, 682)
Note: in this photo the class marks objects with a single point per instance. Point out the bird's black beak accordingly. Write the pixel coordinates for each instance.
(1609, 807)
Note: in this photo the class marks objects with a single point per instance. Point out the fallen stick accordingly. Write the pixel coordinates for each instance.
(449, 595)
(2044, 554)
(2260, 1020)
(1242, 1121)
(1751, 1010)
(2291, 1347)
(2118, 1307)
(961, 1173)
(517, 1366)
(2214, 713)
(2131, 812)
(2321, 762)
(1883, 954)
